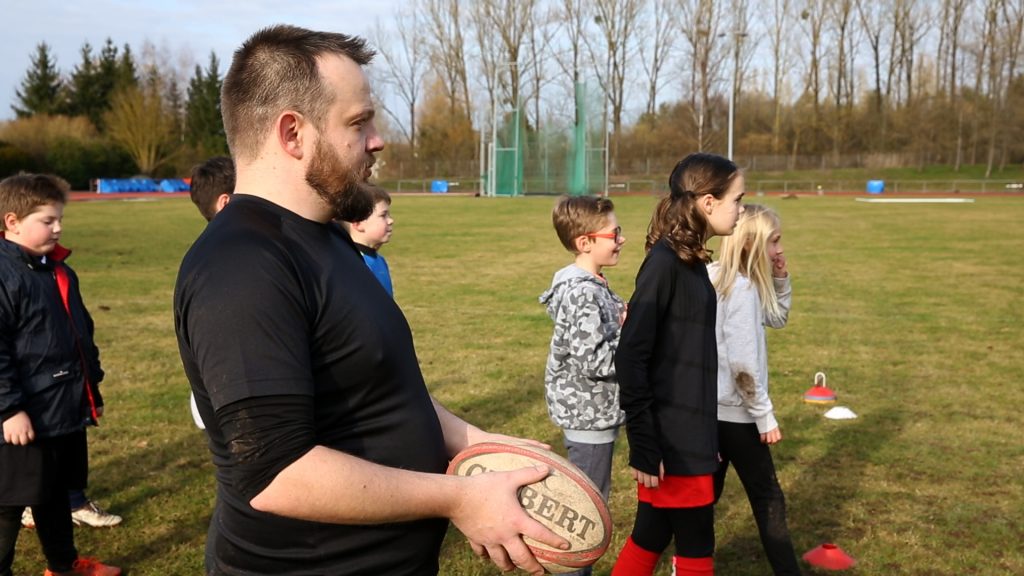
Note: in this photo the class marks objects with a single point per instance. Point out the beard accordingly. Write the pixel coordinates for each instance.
(342, 188)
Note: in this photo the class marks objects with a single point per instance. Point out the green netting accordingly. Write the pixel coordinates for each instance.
(559, 158)
(508, 155)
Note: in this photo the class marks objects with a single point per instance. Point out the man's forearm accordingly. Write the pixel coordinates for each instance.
(326, 485)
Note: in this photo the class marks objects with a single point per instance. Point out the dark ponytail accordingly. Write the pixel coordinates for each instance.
(677, 218)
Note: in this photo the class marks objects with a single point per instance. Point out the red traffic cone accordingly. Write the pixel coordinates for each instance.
(830, 557)
(820, 393)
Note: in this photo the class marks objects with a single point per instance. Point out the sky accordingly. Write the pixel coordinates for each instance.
(189, 29)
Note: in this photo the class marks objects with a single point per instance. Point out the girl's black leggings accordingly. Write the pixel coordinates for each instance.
(740, 445)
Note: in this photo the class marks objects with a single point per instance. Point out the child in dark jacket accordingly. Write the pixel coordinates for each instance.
(667, 363)
(49, 376)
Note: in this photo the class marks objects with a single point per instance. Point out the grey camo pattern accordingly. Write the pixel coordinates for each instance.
(580, 385)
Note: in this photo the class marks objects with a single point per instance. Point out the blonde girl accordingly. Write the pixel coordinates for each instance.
(754, 291)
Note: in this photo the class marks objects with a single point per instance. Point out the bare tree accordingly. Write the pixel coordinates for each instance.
(813, 17)
(779, 43)
(661, 38)
(541, 38)
(503, 28)
(701, 20)
(488, 52)
(909, 22)
(447, 51)
(405, 63)
(573, 16)
(1013, 36)
(1000, 51)
(739, 32)
(616, 21)
(951, 21)
(951, 24)
(874, 14)
(840, 14)
(140, 122)
(570, 53)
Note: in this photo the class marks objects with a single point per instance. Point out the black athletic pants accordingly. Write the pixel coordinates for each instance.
(740, 445)
(53, 526)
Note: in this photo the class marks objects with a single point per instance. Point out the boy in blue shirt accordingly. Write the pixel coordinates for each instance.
(372, 233)
(49, 376)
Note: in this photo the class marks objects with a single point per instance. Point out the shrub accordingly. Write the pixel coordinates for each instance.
(78, 162)
(13, 160)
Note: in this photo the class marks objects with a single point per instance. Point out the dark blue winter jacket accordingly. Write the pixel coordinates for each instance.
(49, 364)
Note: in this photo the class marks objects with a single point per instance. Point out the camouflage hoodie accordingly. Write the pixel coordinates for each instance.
(581, 389)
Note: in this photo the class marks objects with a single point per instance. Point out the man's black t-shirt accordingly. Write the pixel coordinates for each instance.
(269, 304)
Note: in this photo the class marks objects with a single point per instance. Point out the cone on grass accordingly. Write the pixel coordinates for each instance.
(829, 557)
(820, 393)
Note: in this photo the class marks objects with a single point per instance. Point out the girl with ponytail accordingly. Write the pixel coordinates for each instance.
(667, 363)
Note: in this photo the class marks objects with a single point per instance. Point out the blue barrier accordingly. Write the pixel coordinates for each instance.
(117, 185)
(439, 186)
(876, 186)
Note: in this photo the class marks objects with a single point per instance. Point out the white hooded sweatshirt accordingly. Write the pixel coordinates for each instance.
(743, 351)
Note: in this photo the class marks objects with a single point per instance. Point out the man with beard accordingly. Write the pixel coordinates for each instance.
(330, 452)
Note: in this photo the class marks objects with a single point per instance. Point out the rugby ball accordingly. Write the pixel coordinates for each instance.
(567, 501)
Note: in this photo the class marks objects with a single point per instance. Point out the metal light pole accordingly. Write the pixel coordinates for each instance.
(607, 128)
(735, 74)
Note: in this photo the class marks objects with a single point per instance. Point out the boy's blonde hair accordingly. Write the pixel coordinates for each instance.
(746, 252)
(575, 216)
(24, 193)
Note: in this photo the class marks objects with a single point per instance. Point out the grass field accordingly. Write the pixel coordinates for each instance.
(913, 311)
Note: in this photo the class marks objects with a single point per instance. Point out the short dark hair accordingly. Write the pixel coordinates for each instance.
(276, 69)
(25, 193)
(575, 216)
(377, 194)
(210, 179)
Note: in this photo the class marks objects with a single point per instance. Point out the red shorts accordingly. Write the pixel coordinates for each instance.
(679, 492)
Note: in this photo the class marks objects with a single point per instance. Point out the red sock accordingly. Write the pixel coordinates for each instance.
(693, 566)
(635, 561)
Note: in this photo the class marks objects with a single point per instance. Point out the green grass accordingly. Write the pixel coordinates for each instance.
(913, 311)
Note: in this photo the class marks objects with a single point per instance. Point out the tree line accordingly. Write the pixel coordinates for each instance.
(870, 82)
(908, 82)
(112, 115)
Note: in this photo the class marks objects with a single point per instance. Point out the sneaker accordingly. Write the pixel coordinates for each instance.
(93, 515)
(87, 567)
(26, 518)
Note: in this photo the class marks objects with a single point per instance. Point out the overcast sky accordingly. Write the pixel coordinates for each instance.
(187, 28)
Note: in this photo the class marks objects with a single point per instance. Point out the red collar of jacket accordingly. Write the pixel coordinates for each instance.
(58, 254)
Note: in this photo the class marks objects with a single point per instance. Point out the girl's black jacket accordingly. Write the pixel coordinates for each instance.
(667, 364)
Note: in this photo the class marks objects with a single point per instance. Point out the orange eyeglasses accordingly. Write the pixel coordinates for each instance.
(614, 235)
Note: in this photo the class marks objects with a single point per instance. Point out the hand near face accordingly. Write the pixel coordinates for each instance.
(779, 266)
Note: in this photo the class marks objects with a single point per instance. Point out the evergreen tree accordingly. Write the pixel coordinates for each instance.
(204, 127)
(95, 79)
(83, 91)
(127, 75)
(40, 91)
(175, 105)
